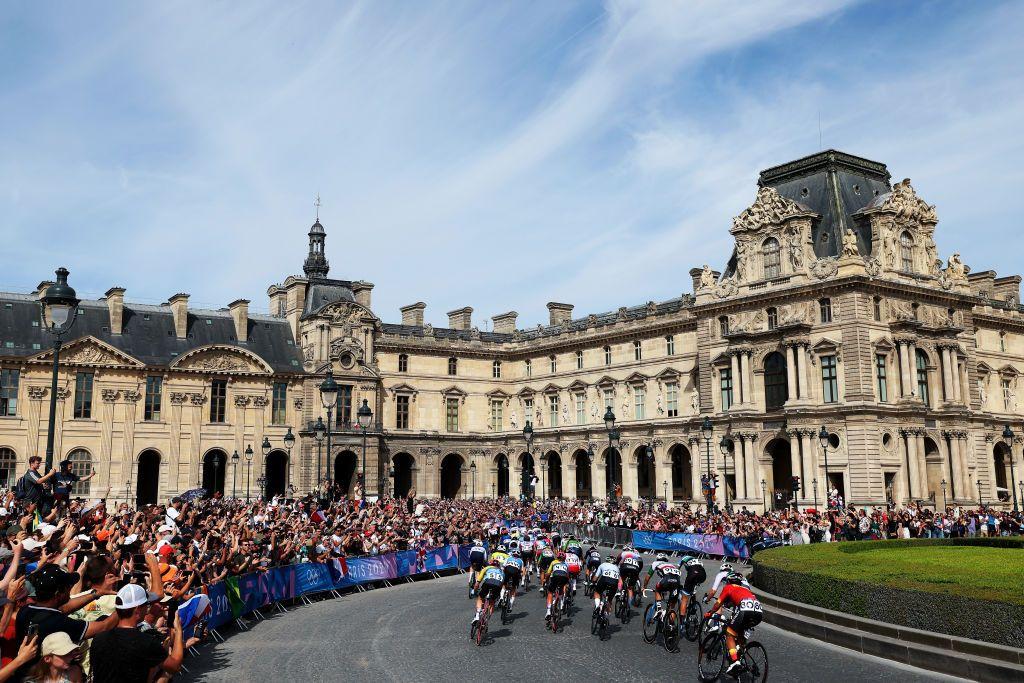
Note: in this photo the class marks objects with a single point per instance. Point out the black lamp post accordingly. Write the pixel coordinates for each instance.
(262, 481)
(706, 430)
(814, 484)
(943, 485)
(58, 309)
(665, 484)
(248, 470)
(823, 441)
(329, 397)
(319, 433)
(289, 442)
(981, 502)
(613, 447)
(1008, 440)
(764, 495)
(725, 445)
(472, 469)
(525, 478)
(544, 475)
(364, 415)
(234, 472)
(493, 492)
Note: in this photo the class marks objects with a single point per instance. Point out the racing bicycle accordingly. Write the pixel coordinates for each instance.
(713, 657)
(667, 624)
(599, 622)
(478, 631)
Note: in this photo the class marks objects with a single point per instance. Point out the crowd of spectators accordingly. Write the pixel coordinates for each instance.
(91, 588)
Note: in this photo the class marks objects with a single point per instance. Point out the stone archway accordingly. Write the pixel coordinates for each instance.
(276, 473)
(584, 489)
(503, 475)
(215, 463)
(451, 476)
(682, 472)
(780, 473)
(403, 464)
(554, 474)
(345, 464)
(147, 486)
(646, 479)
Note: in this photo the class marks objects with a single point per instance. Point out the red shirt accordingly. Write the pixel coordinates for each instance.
(733, 594)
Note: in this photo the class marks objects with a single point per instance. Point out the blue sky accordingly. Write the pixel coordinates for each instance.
(496, 155)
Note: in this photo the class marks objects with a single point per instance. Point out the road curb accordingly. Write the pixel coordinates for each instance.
(971, 659)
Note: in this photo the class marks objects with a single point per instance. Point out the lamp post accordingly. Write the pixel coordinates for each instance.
(524, 479)
(364, 415)
(814, 484)
(289, 442)
(764, 495)
(725, 445)
(1008, 440)
(265, 448)
(262, 481)
(613, 446)
(981, 502)
(319, 433)
(58, 309)
(823, 441)
(234, 472)
(1020, 485)
(943, 485)
(665, 484)
(649, 453)
(494, 494)
(706, 430)
(472, 469)
(329, 397)
(248, 470)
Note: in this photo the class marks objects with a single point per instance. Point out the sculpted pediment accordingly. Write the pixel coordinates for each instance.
(91, 351)
(223, 359)
(908, 207)
(347, 316)
(769, 208)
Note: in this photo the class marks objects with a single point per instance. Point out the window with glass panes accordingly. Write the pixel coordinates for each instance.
(9, 392)
(609, 398)
(1007, 393)
(670, 345)
(343, 410)
(880, 376)
(877, 307)
(8, 468)
(639, 396)
(529, 367)
(218, 400)
(825, 308)
(829, 380)
(554, 363)
(403, 362)
(672, 399)
(496, 417)
(528, 409)
(607, 355)
(279, 404)
(638, 352)
(581, 408)
(81, 465)
(725, 384)
(496, 369)
(771, 255)
(401, 412)
(773, 318)
(579, 360)
(451, 414)
(922, 376)
(83, 395)
(553, 410)
(907, 251)
(151, 409)
(453, 366)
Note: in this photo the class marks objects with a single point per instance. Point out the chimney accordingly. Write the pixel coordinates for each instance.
(115, 305)
(559, 313)
(179, 308)
(413, 314)
(460, 318)
(240, 312)
(41, 288)
(505, 323)
(362, 291)
(695, 275)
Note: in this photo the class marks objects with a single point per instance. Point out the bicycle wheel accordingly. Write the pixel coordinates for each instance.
(651, 625)
(506, 612)
(472, 630)
(594, 622)
(671, 630)
(711, 657)
(620, 606)
(602, 626)
(556, 613)
(691, 622)
(755, 663)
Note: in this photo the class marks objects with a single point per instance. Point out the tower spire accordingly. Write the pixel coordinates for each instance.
(316, 260)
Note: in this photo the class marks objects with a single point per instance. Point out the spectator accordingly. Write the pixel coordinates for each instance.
(127, 654)
(64, 480)
(58, 662)
(31, 485)
(26, 653)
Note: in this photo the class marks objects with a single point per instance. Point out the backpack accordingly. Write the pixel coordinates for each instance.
(21, 488)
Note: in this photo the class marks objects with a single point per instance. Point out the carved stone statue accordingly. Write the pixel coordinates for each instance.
(695, 401)
(956, 268)
(565, 413)
(982, 390)
(514, 420)
(892, 246)
(934, 262)
(593, 410)
(741, 260)
(769, 208)
(660, 408)
(795, 247)
(538, 418)
(707, 277)
(908, 206)
(850, 243)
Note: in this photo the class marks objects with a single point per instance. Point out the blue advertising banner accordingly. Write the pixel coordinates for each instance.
(220, 606)
(279, 583)
(312, 578)
(711, 544)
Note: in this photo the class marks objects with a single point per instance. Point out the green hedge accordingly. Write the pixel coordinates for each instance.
(943, 612)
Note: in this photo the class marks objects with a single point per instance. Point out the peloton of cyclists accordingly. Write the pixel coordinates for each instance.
(748, 615)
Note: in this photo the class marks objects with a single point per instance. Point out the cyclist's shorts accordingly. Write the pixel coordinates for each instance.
(556, 581)
(629, 573)
(666, 584)
(606, 585)
(512, 576)
(490, 589)
(694, 577)
(545, 562)
(527, 555)
(593, 563)
(744, 619)
(574, 569)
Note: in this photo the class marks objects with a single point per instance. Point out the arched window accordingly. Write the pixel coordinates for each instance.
(607, 355)
(496, 369)
(638, 352)
(771, 258)
(922, 376)
(554, 363)
(773, 318)
(776, 388)
(81, 464)
(907, 251)
(453, 366)
(8, 467)
(579, 360)
(403, 362)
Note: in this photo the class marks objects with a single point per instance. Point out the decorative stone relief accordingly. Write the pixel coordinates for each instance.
(908, 206)
(90, 354)
(769, 208)
(955, 268)
(220, 361)
(747, 322)
(62, 393)
(109, 395)
(850, 243)
(873, 267)
(197, 399)
(725, 289)
(260, 401)
(790, 314)
(241, 400)
(37, 393)
(824, 268)
(707, 277)
(297, 403)
(132, 396)
(178, 397)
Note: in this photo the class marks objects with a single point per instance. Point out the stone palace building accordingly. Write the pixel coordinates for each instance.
(834, 309)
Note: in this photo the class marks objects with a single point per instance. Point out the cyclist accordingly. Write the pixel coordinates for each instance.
(556, 539)
(748, 615)
(723, 571)
(477, 557)
(695, 575)
(526, 550)
(513, 568)
(489, 581)
(544, 561)
(630, 564)
(572, 545)
(573, 563)
(500, 554)
(592, 560)
(668, 580)
(607, 582)
(558, 578)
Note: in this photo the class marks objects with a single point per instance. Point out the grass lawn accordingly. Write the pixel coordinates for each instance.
(974, 572)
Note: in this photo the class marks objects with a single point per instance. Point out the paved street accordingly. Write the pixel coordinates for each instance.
(419, 632)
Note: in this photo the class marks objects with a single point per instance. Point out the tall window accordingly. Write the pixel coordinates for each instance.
(639, 396)
(496, 369)
(403, 362)
(343, 410)
(907, 251)
(723, 325)
(401, 412)
(772, 261)
(528, 409)
(553, 410)
(453, 366)
(825, 308)
(609, 398)
(451, 414)
(1002, 342)
(773, 318)
(529, 367)
(670, 345)
(496, 418)
(607, 355)
(83, 395)
(1007, 393)
(8, 467)
(829, 380)
(9, 392)
(880, 377)
(279, 404)
(151, 409)
(579, 360)
(218, 400)
(922, 376)
(81, 464)
(581, 408)
(554, 363)
(776, 386)
(725, 377)
(876, 304)
(638, 352)
(672, 399)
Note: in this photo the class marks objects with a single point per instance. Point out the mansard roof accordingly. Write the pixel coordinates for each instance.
(323, 292)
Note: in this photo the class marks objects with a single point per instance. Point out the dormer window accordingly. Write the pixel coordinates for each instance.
(907, 251)
(771, 258)
(773, 318)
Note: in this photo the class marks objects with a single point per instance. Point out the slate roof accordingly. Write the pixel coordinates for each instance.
(148, 332)
(324, 292)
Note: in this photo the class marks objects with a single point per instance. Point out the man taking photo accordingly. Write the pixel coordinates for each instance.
(127, 655)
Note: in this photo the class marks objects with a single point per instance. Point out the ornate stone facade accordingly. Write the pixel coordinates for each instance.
(834, 309)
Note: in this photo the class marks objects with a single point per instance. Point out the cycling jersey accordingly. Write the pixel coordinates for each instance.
(720, 577)
(477, 554)
(668, 575)
(547, 556)
(573, 563)
(593, 559)
(629, 565)
(695, 574)
(607, 580)
(514, 562)
(558, 576)
(608, 570)
(526, 545)
(491, 574)
(491, 579)
(748, 608)
(499, 556)
(513, 570)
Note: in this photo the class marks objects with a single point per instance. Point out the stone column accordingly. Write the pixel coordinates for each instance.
(914, 484)
(922, 469)
(695, 468)
(740, 462)
(569, 478)
(955, 357)
(630, 488)
(791, 370)
(597, 478)
(905, 387)
(662, 470)
(737, 383)
(803, 354)
(947, 375)
(748, 394)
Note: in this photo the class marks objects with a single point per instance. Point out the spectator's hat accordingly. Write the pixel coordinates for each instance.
(165, 529)
(46, 529)
(58, 643)
(4, 512)
(32, 544)
(129, 539)
(50, 580)
(84, 537)
(14, 529)
(102, 534)
(132, 595)
(168, 572)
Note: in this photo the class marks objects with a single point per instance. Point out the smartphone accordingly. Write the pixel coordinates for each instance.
(32, 631)
(172, 611)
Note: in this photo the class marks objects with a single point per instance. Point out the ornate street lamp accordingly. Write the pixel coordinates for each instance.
(1008, 440)
(707, 430)
(234, 471)
(613, 447)
(319, 433)
(58, 309)
(524, 483)
(665, 484)
(248, 470)
(981, 502)
(472, 469)
(814, 484)
(262, 481)
(289, 442)
(764, 496)
(329, 397)
(364, 416)
(943, 485)
(823, 441)
(725, 445)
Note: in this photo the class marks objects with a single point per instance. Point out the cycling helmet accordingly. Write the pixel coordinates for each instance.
(686, 558)
(494, 562)
(502, 548)
(662, 557)
(516, 553)
(610, 558)
(628, 548)
(561, 555)
(735, 577)
(726, 567)
(477, 541)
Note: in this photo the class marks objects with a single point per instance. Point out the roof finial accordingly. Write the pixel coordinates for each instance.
(317, 205)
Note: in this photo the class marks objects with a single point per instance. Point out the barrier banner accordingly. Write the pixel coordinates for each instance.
(237, 606)
(251, 592)
(710, 544)
(366, 569)
(279, 583)
(312, 578)
(220, 606)
(445, 557)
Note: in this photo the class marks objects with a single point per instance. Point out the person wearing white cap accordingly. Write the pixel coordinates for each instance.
(59, 661)
(125, 654)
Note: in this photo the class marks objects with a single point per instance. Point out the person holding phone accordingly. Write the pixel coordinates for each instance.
(127, 655)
